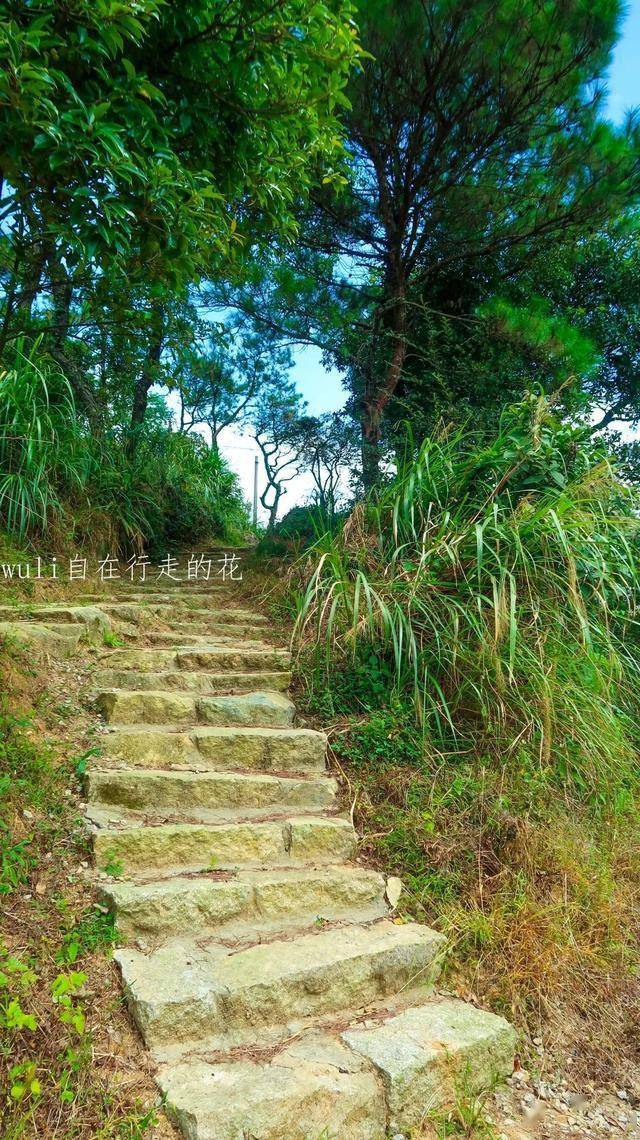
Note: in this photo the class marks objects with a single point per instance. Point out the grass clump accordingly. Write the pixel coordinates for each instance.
(76, 485)
(471, 632)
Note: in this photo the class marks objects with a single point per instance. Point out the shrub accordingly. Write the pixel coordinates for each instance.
(500, 583)
(473, 627)
(78, 486)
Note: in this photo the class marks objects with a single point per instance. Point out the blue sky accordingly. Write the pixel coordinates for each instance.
(321, 388)
(624, 76)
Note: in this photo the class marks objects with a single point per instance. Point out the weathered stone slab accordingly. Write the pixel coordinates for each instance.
(63, 638)
(213, 658)
(165, 607)
(185, 992)
(200, 682)
(314, 1088)
(226, 635)
(428, 1053)
(202, 847)
(125, 706)
(220, 748)
(92, 617)
(158, 792)
(259, 898)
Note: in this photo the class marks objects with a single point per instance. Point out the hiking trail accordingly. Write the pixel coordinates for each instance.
(273, 984)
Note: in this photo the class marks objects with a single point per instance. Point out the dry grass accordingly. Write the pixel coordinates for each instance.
(540, 901)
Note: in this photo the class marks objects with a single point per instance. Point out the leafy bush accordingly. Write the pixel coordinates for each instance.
(500, 582)
(78, 486)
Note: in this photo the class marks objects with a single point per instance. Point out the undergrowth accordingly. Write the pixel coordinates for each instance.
(75, 485)
(470, 638)
(60, 1014)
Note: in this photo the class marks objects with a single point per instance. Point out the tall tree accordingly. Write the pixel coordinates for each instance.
(148, 142)
(279, 431)
(477, 141)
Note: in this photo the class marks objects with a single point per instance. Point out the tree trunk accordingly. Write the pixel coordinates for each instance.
(273, 512)
(378, 394)
(370, 456)
(21, 295)
(62, 296)
(146, 378)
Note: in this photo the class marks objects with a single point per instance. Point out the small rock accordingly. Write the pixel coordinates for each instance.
(622, 1094)
(520, 1076)
(28, 814)
(537, 1040)
(393, 891)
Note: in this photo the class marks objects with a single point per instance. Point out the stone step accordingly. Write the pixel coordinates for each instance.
(183, 621)
(52, 637)
(128, 609)
(150, 597)
(190, 847)
(128, 706)
(226, 682)
(157, 792)
(262, 749)
(92, 617)
(185, 993)
(224, 634)
(212, 658)
(312, 1089)
(368, 1082)
(249, 902)
(217, 598)
(427, 1053)
(208, 631)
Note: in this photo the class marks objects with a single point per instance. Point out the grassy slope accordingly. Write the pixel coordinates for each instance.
(537, 888)
(489, 593)
(72, 1066)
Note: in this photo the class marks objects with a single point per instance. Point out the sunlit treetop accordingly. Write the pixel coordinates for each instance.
(155, 132)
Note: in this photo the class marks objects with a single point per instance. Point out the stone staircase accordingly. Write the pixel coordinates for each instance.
(280, 996)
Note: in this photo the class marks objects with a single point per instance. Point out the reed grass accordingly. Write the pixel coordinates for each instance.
(500, 583)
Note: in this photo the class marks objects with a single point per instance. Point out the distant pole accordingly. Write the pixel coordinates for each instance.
(255, 491)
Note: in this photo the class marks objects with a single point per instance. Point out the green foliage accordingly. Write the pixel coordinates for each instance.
(51, 1026)
(39, 450)
(473, 623)
(499, 583)
(30, 782)
(17, 984)
(60, 479)
(130, 162)
(146, 146)
(452, 271)
(93, 930)
(113, 866)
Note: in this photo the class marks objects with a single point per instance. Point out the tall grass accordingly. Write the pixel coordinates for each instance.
(40, 444)
(500, 583)
(76, 486)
